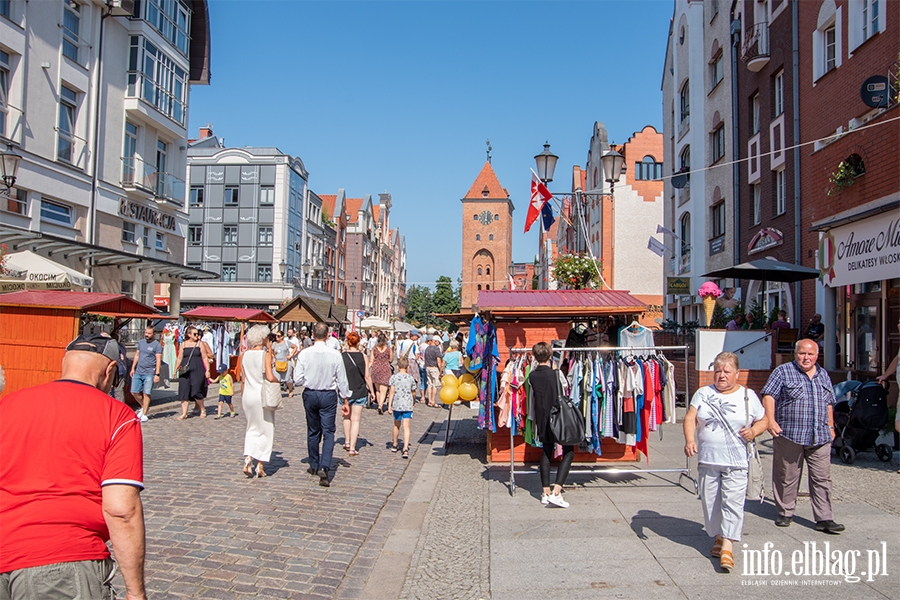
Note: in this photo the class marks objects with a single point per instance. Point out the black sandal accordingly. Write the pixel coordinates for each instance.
(394, 448)
(405, 453)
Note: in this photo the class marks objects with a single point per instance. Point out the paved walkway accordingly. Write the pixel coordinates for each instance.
(213, 533)
(444, 525)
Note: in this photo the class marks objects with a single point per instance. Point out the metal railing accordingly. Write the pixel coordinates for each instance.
(756, 44)
(142, 175)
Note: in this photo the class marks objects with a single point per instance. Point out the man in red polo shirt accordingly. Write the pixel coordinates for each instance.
(70, 481)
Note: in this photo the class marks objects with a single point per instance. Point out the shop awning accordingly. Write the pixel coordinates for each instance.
(51, 246)
(104, 305)
(224, 313)
(554, 305)
(39, 273)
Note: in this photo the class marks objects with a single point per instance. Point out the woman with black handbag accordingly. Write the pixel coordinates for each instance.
(356, 367)
(545, 386)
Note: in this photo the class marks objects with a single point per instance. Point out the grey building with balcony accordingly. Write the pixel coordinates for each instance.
(248, 221)
(100, 188)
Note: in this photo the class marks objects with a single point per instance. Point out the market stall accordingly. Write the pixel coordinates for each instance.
(221, 316)
(36, 326)
(522, 318)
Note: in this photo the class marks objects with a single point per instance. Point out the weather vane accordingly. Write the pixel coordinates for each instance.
(489, 148)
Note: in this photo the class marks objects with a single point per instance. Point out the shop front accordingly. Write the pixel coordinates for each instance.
(859, 261)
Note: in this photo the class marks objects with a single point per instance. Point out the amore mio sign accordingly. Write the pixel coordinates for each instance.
(868, 250)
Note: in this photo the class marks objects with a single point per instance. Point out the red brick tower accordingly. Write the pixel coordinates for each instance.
(486, 237)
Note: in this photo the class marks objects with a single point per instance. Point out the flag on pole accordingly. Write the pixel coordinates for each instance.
(656, 246)
(661, 229)
(539, 196)
(547, 218)
(512, 284)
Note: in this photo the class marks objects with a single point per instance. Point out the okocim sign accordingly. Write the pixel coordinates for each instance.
(864, 251)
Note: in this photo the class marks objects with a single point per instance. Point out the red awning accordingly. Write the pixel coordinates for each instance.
(224, 313)
(106, 305)
(558, 303)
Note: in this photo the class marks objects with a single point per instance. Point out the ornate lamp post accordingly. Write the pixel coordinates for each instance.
(9, 167)
(612, 162)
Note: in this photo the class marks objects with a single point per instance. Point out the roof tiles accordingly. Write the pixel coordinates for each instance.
(487, 180)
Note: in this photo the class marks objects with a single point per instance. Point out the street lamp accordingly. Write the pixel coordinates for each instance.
(546, 164)
(611, 162)
(9, 167)
(282, 268)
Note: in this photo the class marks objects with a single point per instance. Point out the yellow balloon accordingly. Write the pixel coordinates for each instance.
(449, 381)
(468, 391)
(466, 378)
(449, 394)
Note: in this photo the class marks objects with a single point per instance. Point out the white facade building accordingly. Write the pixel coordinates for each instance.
(95, 100)
(684, 87)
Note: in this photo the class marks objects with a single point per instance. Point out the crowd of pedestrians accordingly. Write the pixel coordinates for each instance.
(97, 453)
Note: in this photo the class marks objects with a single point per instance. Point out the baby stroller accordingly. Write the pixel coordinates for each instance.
(858, 422)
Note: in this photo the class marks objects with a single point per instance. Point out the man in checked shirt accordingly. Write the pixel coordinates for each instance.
(799, 402)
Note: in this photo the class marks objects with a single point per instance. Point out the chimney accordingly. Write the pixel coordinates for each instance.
(206, 132)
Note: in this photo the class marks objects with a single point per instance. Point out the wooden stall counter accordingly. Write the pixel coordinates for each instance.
(498, 450)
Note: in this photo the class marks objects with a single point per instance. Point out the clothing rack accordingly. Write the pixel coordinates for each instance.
(685, 472)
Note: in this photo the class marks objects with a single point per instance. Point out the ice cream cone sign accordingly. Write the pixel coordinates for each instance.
(709, 291)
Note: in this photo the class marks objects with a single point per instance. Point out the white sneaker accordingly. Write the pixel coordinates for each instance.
(557, 500)
(545, 499)
(144, 419)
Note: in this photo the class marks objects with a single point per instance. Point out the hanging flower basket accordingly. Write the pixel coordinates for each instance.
(577, 272)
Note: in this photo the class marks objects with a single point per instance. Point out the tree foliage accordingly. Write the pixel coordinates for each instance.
(422, 303)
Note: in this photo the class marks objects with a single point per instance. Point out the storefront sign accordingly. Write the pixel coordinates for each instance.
(767, 237)
(861, 252)
(678, 285)
(146, 214)
(161, 301)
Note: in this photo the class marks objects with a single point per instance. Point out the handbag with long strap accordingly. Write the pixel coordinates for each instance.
(566, 421)
(756, 489)
(271, 393)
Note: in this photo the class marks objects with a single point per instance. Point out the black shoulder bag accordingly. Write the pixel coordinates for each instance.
(566, 421)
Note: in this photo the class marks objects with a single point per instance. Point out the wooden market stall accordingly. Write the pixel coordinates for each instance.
(526, 317)
(304, 310)
(37, 325)
(226, 314)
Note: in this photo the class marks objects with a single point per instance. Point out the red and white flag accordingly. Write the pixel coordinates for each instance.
(512, 284)
(539, 196)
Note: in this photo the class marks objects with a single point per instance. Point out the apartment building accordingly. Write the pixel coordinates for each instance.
(253, 221)
(95, 101)
(850, 186)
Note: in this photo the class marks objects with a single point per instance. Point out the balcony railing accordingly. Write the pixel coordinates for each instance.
(137, 174)
(756, 47)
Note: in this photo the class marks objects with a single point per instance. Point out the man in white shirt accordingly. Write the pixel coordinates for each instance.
(320, 370)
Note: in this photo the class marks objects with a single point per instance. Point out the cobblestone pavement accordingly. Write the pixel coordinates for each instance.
(452, 555)
(213, 533)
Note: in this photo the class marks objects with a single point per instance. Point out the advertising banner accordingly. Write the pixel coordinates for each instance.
(868, 250)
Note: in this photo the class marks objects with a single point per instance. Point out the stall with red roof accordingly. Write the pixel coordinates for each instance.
(526, 317)
(36, 326)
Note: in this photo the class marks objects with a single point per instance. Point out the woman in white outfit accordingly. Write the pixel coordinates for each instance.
(719, 414)
(256, 364)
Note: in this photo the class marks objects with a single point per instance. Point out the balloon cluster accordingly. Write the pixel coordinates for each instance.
(462, 388)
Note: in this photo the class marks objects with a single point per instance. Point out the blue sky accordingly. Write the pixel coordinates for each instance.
(401, 96)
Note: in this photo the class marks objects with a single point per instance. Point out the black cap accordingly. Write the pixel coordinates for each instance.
(98, 343)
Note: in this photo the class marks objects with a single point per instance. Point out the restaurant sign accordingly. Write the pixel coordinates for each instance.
(861, 252)
(678, 285)
(133, 210)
